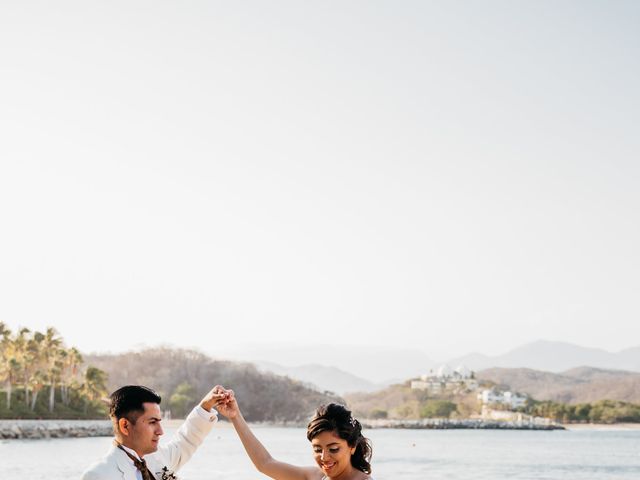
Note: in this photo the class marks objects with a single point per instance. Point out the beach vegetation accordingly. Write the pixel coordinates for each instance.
(401, 402)
(182, 400)
(40, 377)
(379, 413)
(438, 409)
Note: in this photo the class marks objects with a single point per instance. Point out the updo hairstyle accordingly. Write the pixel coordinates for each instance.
(336, 418)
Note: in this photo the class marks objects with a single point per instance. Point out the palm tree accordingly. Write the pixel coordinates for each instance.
(6, 360)
(14, 369)
(55, 372)
(35, 360)
(71, 360)
(95, 385)
(22, 359)
(51, 347)
(37, 382)
(35, 366)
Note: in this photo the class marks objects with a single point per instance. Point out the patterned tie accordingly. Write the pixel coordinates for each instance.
(140, 464)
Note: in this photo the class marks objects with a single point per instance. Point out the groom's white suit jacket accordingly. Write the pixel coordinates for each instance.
(115, 465)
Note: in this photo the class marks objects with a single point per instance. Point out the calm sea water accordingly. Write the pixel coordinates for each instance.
(398, 455)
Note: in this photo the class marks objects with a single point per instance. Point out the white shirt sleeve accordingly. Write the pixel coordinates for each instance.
(211, 416)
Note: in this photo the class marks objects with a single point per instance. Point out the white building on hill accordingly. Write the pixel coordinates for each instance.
(446, 379)
(510, 399)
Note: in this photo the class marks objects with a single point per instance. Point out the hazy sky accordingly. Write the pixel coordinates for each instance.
(446, 176)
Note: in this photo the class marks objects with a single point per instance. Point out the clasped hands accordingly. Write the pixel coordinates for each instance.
(223, 400)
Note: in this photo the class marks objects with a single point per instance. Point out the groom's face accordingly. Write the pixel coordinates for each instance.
(143, 435)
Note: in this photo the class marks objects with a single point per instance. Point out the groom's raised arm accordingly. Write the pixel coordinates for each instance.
(193, 431)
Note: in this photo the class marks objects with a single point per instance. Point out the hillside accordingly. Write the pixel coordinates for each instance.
(400, 402)
(182, 377)
(578, 385)
(584, 385)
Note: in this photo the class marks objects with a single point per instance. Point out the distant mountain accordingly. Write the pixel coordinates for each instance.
(554, 357)
(325, 378)
(377, 364)
(578, 385)
(631, 358)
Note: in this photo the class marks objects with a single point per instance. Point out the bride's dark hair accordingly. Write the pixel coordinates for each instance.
(336, 418)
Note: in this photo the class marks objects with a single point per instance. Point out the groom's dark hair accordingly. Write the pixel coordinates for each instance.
(127, 402)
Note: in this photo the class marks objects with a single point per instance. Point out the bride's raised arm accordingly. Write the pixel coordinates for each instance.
(257, 452)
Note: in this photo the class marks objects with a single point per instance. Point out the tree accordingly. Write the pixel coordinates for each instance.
(50, 346)
(581, 412)
(37, 383)
(438, 409)
(34, 374)
(70, 359)
(182, 400)
(21, 351)
(95, 386)
(8, 364)
(36, 362)
(379, 413)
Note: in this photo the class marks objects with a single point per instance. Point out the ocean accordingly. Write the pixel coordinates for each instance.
(589, 454)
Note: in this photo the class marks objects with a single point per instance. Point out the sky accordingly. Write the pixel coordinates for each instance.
(446, 177)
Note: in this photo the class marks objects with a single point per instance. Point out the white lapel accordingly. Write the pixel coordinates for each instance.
(154, 465)
(125, 465)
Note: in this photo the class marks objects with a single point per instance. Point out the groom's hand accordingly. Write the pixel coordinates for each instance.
(213, 398)
(228, 406)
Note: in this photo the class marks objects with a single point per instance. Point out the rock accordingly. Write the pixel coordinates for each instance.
(430, 423)
(37, 429)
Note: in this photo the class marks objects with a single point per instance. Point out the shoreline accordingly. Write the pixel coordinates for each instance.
(602, 426)
(44, 429)
(460, 424)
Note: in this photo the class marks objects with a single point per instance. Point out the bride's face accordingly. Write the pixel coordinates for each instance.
(332, 453)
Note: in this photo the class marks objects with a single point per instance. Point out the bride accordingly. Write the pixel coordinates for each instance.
(340, 450)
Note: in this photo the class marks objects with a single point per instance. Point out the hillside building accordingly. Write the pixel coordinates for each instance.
(495, 397)
(446, 379)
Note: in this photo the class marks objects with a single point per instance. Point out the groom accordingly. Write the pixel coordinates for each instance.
(135, 454)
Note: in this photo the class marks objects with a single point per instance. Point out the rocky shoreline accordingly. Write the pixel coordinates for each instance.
(478, 424)
(41, 429)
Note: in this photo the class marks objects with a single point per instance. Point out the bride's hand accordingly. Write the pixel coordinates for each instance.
(228, 406)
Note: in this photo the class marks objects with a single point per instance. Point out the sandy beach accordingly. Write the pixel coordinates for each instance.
(601, 426)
